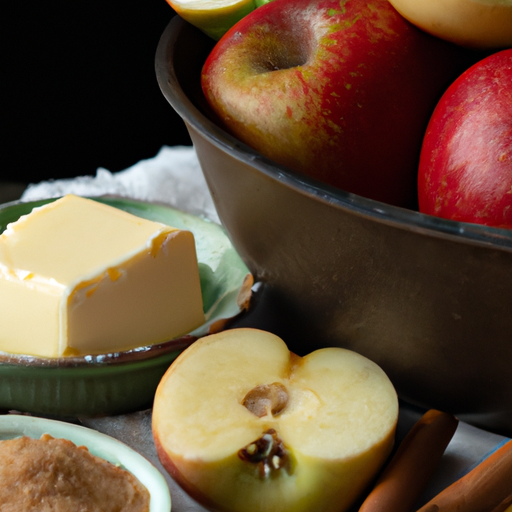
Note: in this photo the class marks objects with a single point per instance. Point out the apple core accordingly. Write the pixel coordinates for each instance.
(266, 399)
(267, 453)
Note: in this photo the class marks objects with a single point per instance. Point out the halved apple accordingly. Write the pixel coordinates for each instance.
(243, 424)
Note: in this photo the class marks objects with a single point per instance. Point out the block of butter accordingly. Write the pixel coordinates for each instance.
(80, 277)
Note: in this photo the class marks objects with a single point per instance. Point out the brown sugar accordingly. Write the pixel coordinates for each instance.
(49, 474)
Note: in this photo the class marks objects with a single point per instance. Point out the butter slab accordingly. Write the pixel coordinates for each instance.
(80, 277)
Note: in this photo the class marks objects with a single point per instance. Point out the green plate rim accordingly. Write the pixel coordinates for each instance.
(99, 444)
(218, 307)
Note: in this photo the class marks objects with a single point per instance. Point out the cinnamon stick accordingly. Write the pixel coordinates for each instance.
(409, 471)
(486, 488)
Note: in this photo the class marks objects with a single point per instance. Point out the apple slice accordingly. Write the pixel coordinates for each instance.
(213, 17)
(243, 424)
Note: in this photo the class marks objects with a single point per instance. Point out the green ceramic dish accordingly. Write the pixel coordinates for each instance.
(123, 382)
(101, 445)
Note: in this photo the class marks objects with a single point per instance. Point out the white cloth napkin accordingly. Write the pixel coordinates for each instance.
(172, 177)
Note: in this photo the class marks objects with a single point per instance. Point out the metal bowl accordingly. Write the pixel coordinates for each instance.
(429, 300)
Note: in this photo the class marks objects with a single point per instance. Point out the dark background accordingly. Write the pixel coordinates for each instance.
(79, 89)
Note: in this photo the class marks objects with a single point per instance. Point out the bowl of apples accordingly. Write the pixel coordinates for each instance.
(308, 120)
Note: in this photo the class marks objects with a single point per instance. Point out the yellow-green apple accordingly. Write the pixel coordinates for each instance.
(217, 17)
(339, 90)
(473, 23)
(465, 170)
(244, 425)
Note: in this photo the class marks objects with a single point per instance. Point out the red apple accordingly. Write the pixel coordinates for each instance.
(465, 170)
(341, 91)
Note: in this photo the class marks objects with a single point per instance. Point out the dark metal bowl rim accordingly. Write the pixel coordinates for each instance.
(401, 218)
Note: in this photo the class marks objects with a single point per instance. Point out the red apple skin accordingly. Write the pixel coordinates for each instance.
(340, 91)
(465, 170)
(171, 468)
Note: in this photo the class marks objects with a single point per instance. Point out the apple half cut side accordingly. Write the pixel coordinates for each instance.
(243, 424)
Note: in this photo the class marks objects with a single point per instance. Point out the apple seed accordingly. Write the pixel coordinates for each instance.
(267, 453)
(266, 399)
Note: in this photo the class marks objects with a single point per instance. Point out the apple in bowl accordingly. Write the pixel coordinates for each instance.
(473, 23)
(341, 92)
(244, 425)
(465, 170)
